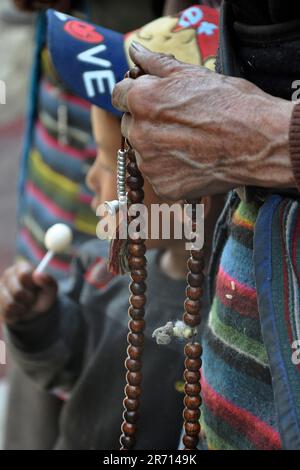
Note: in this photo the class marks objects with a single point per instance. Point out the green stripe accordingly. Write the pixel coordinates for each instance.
(230, 438)
(237, 340)
(247, 211)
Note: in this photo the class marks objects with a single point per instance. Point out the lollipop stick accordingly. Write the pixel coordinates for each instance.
(45, 261)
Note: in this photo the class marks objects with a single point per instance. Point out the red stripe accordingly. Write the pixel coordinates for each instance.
(285, 274)
(39, 253)
(244, 299)
(85, 198)
(59, 147)
(76, 100)
(296, 233)
(50, 205)
(260, 434)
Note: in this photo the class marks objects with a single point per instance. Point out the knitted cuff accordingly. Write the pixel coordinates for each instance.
(294, 143)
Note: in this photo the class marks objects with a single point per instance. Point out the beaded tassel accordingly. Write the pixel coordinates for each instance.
(193, 350)
(136, 312)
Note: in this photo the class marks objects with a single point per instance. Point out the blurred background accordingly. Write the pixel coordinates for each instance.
(16, 41)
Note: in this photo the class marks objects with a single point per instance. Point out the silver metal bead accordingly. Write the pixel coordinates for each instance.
(112, 207)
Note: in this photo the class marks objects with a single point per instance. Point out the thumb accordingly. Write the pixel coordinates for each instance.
(44, 281)
(153, 63)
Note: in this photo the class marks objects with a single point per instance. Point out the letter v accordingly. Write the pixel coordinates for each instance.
(88, 56)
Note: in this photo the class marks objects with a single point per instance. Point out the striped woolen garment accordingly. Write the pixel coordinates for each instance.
(55, 191)
(238, 401)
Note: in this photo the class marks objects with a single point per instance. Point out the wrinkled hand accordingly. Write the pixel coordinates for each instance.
(25, 294)
(35, 5)
(199, 133)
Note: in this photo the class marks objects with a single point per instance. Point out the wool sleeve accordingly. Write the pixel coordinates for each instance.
(50, 348)
(294, 143)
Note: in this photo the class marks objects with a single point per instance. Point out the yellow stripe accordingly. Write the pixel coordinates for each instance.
(86, 227)
(56, 179)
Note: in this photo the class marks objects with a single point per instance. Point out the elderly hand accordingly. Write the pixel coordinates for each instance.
(200, 133)
(35, 5)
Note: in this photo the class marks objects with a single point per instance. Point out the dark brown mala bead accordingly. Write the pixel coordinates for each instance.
(193, 349)
(136, 312)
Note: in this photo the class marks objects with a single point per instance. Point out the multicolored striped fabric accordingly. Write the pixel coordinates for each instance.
(277, 270)
(55, 191)
(238, 400)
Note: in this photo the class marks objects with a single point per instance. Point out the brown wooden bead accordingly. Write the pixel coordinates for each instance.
(191, 320)
(192, 416)
(137, 326)
(132, 169)
(192, 377)
(194, 293)
(192, 306)
(136, 313)
(194, 266)
(135, 352)
(129, 429)
(133, 365)
(135, 182)
(131, 405)
(134, 378)
(192, 402)
(136, 339)
(131, 156)
(127, 441)
(136, 262)
(136, 250)
(197, 254)
(136, 196)
(139, 275)
(193, 350)
(133, 391)
(192, 429)
(138, 241)
(137, 301)
(195, 280)
(190, 442)
(193, 364)
(131, 416)
(137, 288)
(192, 389)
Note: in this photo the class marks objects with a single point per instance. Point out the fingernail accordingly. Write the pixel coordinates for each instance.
(136, 45)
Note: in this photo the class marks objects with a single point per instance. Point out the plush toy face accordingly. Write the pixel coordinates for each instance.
(191, 36)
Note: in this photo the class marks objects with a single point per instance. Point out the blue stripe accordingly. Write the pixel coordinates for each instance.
(238, 267)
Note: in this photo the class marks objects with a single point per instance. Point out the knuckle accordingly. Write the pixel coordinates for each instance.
(18, 294)
(10, 307)
(137, 137)
(115, 95)
(139, 98)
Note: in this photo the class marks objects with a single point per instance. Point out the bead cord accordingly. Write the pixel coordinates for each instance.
(136, 312)
(193, 349)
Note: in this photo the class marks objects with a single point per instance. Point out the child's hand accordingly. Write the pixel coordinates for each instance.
(25, 294)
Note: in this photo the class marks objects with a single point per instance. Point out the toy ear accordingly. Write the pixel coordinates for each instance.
(89, 59)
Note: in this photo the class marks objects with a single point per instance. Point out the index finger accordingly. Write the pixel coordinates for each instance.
(120, 94)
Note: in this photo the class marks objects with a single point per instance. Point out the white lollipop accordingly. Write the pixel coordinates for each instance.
(58, 238)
